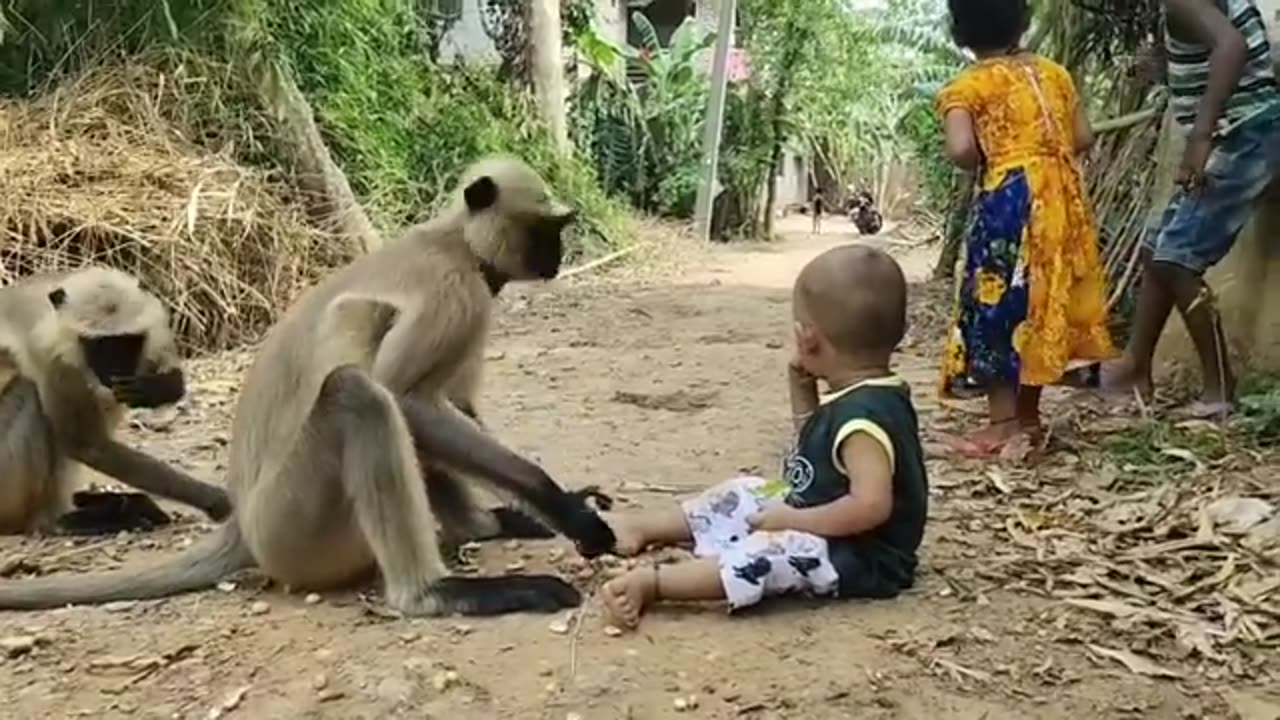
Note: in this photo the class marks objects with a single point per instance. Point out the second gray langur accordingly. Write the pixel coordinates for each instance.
(75, 349)
(354, 438)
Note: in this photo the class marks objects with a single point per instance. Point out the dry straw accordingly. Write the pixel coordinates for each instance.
(103, 168)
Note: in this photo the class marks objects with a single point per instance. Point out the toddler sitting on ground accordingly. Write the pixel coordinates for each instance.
(848, 518)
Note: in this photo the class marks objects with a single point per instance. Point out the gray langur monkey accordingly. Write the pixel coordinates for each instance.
(355, 424)
(75, 349)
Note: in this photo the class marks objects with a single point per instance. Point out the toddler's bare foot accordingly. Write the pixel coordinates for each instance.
(626, 597)
(630, 540)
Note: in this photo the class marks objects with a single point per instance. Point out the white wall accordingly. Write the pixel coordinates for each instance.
(467, 39)
(791, 185)
(611, 19)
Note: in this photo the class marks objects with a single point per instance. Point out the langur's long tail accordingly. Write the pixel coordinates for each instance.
(198, 568)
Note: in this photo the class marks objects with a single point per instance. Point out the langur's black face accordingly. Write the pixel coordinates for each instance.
(544, 248)
(113, 356)
(522, 201)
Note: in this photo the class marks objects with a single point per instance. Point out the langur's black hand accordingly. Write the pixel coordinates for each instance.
(151, 390)
(604, 503)
(590, 533)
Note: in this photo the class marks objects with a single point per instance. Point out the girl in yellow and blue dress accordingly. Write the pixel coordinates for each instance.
(1030, 302)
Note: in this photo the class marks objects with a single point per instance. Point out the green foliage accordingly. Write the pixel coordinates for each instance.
(40, 37)
(645, 140)
(1154, 446)
(401, 126)
(576, 17)
(921, 130)
(1260, 401)
(745, 160)
(859, 95)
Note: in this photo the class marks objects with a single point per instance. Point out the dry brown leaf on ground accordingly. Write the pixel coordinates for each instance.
(1134, 662)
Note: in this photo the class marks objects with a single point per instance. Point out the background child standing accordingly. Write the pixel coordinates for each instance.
(1226, 106)
(1031, 297)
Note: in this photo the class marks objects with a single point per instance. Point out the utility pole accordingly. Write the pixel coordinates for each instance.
(714, 120)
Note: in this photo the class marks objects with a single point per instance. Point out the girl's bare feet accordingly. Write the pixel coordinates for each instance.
(626, 597)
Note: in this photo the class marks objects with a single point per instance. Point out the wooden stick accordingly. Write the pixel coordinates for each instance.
(1124, 121)
(615, 255)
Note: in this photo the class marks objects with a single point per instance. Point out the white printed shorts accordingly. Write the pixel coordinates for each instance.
(756, 564)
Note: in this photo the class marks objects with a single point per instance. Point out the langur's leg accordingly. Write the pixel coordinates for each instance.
(30, 470)
(381, 476)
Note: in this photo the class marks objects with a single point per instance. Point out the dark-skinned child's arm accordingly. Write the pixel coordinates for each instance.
(961, 145)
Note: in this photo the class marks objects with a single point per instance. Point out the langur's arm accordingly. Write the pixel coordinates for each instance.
(69, 402)
(449, 437)
(150, 475)
(423, 341)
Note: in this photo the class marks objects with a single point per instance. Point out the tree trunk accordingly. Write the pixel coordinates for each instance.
(317, 171)
(962, 187)
(790, 58)
(771, 186)
(545, 51)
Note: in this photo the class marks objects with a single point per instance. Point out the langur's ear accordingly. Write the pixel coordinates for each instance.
(481, 194)
(57, 297)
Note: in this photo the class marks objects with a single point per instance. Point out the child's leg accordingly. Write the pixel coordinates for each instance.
(1204, 325)
(637, 530)
(628, 596)
(762, 564)
(1029, 410)
(1155, 304)
(1002, 406)
(714, 519)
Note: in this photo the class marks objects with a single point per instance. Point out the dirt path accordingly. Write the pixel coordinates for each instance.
(647, 389)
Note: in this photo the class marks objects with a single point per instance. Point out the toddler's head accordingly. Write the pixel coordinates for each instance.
(988, 26)
(850, 311)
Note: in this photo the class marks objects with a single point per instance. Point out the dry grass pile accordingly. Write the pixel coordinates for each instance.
(118, 166)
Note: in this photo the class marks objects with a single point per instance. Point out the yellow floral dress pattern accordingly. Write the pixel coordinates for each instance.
(1031, 296)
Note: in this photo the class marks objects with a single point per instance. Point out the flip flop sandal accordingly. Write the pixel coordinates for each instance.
(1201, 410)
(972, 449)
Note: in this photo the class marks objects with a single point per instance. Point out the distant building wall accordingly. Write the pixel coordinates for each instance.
(791, 184)
(467, 40)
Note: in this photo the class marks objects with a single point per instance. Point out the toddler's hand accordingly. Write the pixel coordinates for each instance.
(771, 518)
(797, 373)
